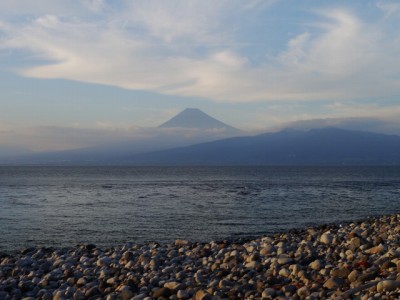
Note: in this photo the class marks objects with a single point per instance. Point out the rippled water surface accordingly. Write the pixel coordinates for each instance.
(64, 206)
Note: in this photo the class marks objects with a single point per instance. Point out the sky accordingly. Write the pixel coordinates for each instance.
(78, 73)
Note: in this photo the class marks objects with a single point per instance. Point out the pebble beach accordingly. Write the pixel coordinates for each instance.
(359, 260)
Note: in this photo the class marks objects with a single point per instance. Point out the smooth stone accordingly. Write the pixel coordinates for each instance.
(284, 260)
(126, 294)
(303, 292)
(388, 264)
(268, 292)
(90, 247)
(387, 286)
(127, 255)
(354, 243)
(173, 285)
(353, 276)
(198, 277)
(104, 261)
(333, 283)
(316, 265)
(162, 292)
(81, 281)
(111, 296)
(58, 295)
(182, 294)
(250, 248)
(366, 277)
(181, 242)
(267, 250)
(93, 291)
(79, 295)
(253, 265)
(139, 297)
(326, 238)
(289, 289)
(202, 295)
(375, 250)
(284, 272)
(341, 273)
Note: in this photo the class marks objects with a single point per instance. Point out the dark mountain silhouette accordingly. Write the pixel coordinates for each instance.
(328, 146)
(195, 118)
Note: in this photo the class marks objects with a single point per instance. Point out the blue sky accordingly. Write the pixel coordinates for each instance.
(75, 72)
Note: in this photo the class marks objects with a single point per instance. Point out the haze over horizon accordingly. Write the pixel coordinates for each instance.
(78, 74)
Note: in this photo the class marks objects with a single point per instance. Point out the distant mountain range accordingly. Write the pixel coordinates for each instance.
(195, 138)
(327, 146)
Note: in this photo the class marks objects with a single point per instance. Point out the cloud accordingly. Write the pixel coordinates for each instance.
(191, 48)
(389, 8)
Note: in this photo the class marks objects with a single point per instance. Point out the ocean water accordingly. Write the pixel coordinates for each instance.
(66, 206)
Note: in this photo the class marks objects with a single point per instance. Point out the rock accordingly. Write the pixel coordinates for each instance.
(388, 264)
(251, 248)
(126, 294)
(340, 273)
(104, 261)
(181, 242)
(267, 250)
(198, 276)
(202, 295)
(387, 286)
(316, 265)
(363, 277)
(284, 272)
(127, 255)
(359, 260)
(303, 292)
(268, 293)
(375, 250)
(284, 260)
(182, 294)
(162, 292)
(326, 238)
(353, 276)
(253, 265)
(90, 247)
(355, 243)
(173, 285)
(111, 296)
(140, 297)
(333, 283)
(81, 281)
(94, 291)
(289, 289)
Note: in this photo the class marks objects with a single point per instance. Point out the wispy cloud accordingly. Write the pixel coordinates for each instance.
(190, 48)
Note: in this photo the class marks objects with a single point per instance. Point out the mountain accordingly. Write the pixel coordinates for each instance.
(195, 118)
(189, 127)
(327, 146)
(386, 126)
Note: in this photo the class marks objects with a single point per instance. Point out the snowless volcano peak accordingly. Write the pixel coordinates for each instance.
(197, 119)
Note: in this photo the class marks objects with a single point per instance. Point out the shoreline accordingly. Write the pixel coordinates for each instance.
(338, 261)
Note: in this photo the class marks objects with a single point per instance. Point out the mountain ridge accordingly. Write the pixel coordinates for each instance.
(326, 146)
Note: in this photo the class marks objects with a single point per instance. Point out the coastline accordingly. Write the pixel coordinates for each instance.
(359, 259)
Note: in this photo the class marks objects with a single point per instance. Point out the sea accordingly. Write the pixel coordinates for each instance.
(108, 206)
